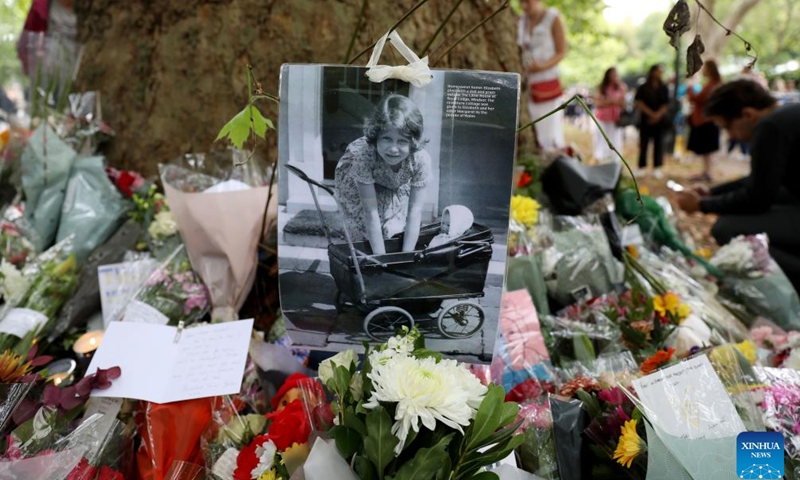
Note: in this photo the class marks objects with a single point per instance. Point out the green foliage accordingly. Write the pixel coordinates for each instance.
(426, 462)
(380, 442)
(777, 44)
(249, 120)
(13, 13)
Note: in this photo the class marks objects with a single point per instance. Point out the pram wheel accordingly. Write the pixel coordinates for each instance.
(382, 323)
(461, 320)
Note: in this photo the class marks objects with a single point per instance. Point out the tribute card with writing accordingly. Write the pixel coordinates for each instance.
(161, 366)
(439, 159)
(689, 401)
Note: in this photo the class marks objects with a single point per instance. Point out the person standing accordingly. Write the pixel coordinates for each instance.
(608, 107)
(704, 133)
(542, 37)
(652, 99)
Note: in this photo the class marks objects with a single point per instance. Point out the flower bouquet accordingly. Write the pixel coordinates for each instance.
(781, 405)
(537, 452)
(16, 380)
(756, 279)
(409, 414)
(223, 248)
(52, 280)
(152, 212)
(171, 294)
(524, 262)
(14, 247)
(580, 333)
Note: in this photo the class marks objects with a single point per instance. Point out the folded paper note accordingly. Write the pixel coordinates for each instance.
(161, 366)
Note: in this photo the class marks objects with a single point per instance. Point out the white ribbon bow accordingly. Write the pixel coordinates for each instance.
(416, 72)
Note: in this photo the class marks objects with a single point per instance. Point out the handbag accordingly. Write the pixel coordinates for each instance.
(627, 117)
(546, 90)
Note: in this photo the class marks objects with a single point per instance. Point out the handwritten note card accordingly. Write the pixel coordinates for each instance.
(688, 400)
(206, 361)
(119, 282)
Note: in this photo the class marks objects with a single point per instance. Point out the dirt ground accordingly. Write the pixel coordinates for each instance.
(679, 169)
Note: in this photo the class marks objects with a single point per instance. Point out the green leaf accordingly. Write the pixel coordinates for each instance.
(488, 417)
(348, 441)
(364, 468)
(637, 415)
(260, 124)
(380, 442)
(584, 350)
(590, 403)
(427, 353)
(237, 129)
(426, 463)
(510, 413)
(486, 476)
(341, 381)
(355, 423)
(499, 436)
(478, 460)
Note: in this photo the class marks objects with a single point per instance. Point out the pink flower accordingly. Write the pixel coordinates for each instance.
(535, 415)
(13, 451)
(613, 396)
(198, 301)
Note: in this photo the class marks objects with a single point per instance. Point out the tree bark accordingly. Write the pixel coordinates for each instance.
(172, 72)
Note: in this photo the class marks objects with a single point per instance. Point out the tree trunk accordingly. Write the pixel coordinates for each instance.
(172, 72)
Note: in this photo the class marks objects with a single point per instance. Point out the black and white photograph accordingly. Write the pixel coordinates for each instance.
(393, 206)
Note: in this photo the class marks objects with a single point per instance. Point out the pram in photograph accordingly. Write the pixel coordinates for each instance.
(399, 288)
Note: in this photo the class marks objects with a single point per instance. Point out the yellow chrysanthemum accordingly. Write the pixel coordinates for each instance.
(630, 444)
(749, 350)
(268, 475)
(525, 210)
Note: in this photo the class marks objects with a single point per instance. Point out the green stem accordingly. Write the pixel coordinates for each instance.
(394, 27)
(747, 45)
(441, 27)
(603, 133)
(472, 30)
(265, 96)
(357, 30)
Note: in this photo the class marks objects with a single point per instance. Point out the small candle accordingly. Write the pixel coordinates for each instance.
(86, 345)
(59, 379)
(62, 365)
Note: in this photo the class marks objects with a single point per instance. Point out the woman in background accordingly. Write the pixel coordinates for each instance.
(704, 133)
(652, 99)
(608, 106)
(542, 37)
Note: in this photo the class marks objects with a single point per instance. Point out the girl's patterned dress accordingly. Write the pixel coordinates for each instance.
(361, 164)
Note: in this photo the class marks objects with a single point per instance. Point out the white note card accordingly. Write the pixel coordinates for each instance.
(688, 400)
(206, 361)
(119, 282)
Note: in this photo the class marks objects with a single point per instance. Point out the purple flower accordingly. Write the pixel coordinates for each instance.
(613, 396)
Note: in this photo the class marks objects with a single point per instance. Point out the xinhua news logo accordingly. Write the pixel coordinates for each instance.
(759, 455)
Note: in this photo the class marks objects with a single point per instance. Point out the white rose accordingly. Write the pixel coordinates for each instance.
(12, 283)
(344, 359)
(163, 225)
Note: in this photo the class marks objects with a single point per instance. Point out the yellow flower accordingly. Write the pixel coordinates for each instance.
(703, 253)
(295, 456)
(684, 311)
(644, 190)
(525, 210)
(630, 444)
(268, 475)
(13, 367)
(632, 250)
(749, 350)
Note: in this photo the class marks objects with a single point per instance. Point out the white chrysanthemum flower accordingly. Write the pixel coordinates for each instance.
(163, 225)
(425, 391)
(12, 283)
(266, 457)
(344, 359)
(736, 256)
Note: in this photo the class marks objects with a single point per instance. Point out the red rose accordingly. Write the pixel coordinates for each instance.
(82, 471)
(289, 426)
(108, 473)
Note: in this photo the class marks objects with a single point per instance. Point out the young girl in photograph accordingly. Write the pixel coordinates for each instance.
(381, 178)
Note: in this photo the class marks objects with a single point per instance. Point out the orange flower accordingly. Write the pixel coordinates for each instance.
(657, 360)
(13, 367)
(524, 180)
(632, 250)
